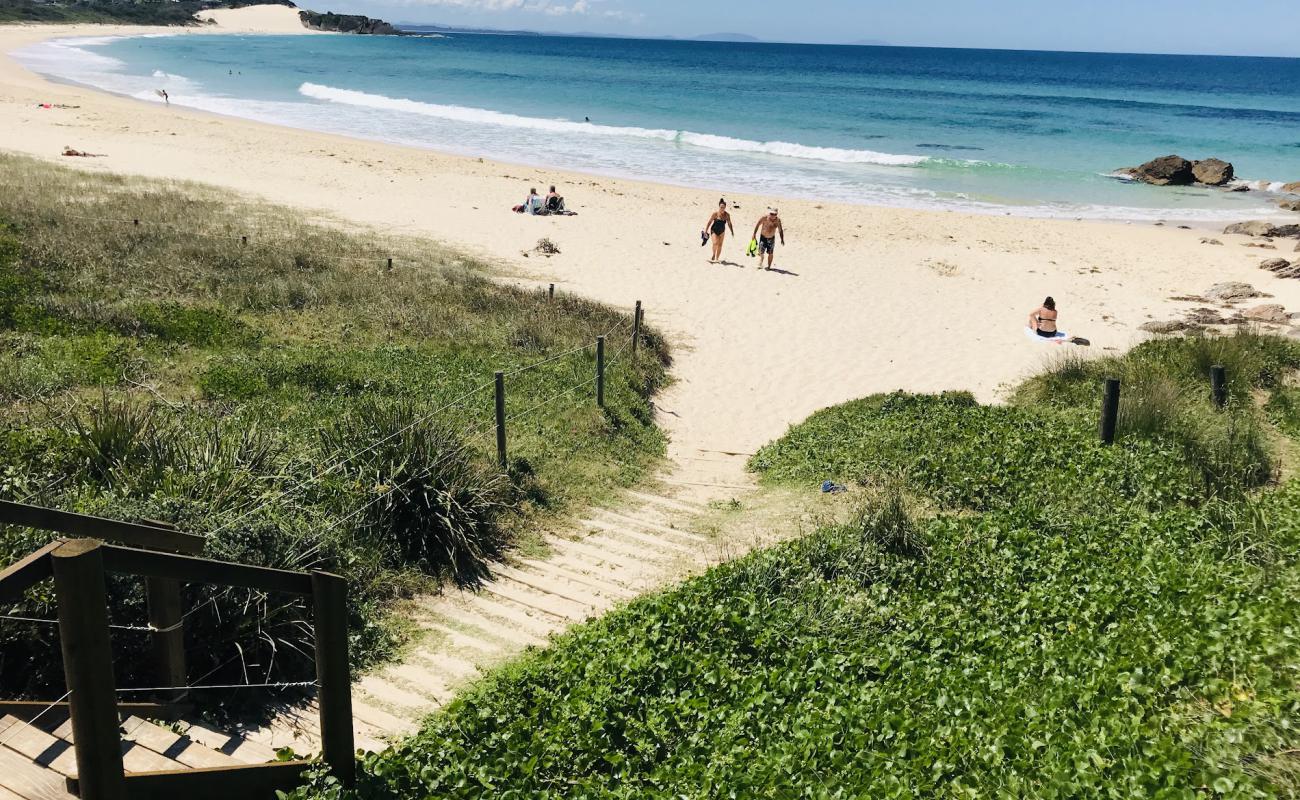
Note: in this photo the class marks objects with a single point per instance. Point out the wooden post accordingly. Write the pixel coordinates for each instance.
(135, 222)
(333, 677)
(550, 295)
(600, 371)
(501, 421)
(163, 596)
(1109, 410)
(390, 265)
(636, 328)
(243, 240)
(78, 568)
(1219, 385)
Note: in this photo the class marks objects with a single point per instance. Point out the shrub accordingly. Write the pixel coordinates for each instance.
(426, 501)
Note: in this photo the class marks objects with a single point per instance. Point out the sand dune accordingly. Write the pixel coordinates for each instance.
(868, 299)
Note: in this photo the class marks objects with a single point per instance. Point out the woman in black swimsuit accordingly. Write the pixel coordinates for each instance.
(1042, 320)
(717, 228)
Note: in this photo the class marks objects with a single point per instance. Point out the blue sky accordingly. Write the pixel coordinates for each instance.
(1244, 27)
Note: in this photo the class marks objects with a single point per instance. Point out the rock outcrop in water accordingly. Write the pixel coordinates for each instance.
(1177, 171)
(1292, 188)
(346, 23)
(1164, 171)
(1212, 172)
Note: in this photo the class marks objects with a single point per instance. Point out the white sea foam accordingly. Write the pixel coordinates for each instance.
(563, 126)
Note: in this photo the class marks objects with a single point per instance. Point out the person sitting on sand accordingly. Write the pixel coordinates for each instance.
(533, 203)
(717, 226)
(1042, 320)
(770, 226)
(554, 202)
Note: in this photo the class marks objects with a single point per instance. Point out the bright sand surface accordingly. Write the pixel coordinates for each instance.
(868, 299)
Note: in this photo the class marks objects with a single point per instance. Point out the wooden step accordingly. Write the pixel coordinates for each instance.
(381, 720)
(559, 585)
(238, 747)
(505, 615)
(606, 586)
(664, 502)
(173, 745)
(682, 535)
(655, 541)
(542, 601)
(30, 781)
(41, 748)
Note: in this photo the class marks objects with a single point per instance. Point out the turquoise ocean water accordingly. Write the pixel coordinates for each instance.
(1034, 133)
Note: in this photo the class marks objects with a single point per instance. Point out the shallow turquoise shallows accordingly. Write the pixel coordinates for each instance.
(1023, 132)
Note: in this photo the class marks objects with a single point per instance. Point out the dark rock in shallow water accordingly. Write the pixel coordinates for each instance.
(1241, 187)
(1212, 172)
(1166, 171)
(1289, 205)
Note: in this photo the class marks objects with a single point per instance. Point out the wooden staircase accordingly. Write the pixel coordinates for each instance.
(37, 757)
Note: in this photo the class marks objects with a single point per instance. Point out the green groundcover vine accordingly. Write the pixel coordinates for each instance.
(1017, 611)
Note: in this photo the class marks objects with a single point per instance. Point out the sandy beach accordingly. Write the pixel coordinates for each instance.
(865, 300)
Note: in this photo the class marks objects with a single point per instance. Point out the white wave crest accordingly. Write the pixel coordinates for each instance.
(482, 116)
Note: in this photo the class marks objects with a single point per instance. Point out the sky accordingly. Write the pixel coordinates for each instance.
(1243, 27)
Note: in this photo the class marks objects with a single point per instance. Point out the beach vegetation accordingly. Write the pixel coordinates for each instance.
(169, 352)
(1016, 610)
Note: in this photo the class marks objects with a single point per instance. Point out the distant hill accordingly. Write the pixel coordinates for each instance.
(725, 37)
(869, 43)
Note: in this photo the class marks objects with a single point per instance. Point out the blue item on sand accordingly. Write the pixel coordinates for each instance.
(831, 487)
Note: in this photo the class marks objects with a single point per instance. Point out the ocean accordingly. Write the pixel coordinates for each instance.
(1027, 133)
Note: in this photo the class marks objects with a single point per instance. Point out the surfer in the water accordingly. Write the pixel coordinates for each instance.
(717, 227)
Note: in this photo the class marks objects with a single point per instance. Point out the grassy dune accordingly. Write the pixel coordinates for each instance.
(1016, 611)
(251, 374)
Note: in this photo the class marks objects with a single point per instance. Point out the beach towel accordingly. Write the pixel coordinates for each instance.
(1057, 339)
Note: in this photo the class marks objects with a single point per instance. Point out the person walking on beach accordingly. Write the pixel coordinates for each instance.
(717, 226)
(767, 229)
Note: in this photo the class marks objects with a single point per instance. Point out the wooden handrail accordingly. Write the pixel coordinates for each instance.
(189, 569)
(111, 530)
(31, 570)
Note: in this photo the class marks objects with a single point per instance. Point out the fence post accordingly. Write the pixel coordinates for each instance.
(243, 240)
(329, 595)
(163, 598)
(135, 222)
(551, 292)
(600, 371)
(1219, 385)
(501, 420)
(1109, 410)
(390, 265)
(636, 328)
(88, 668)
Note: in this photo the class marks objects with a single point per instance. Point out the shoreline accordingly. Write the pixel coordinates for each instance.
(1114, 210)
(871, 299)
